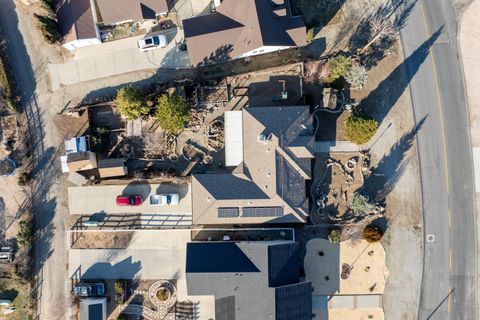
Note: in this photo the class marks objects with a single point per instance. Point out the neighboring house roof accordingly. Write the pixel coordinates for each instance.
(249, 279)
(240, 26)
(75, 20)
(114, 11)
(93, 309)
(269, 185)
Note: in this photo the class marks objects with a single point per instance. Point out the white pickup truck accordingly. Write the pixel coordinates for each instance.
(164, 199)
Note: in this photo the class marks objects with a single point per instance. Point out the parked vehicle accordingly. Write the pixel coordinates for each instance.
(132, 200)
(164, 199)
(158, 41)
(84, 289)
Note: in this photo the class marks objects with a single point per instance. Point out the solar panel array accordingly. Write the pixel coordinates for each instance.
(262, 211)
(228, 212)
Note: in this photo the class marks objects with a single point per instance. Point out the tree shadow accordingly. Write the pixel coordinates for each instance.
(393, 86)
(124, 269)
(316, 14)
(220, 54)
(391, 167)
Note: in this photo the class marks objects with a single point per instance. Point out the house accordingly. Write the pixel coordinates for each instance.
(77, 24)
(112, 12)
(241, 28)
(93, 309)
(78, 20)
(78, 155)
(270, 150)
(249, 280)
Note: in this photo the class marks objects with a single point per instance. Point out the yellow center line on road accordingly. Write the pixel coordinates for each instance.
(440, 107)
(449, 218)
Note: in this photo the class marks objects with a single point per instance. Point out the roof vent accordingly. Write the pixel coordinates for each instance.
(264, 137)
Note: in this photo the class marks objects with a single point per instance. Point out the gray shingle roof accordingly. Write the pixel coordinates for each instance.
(271, 174)
(244, 276)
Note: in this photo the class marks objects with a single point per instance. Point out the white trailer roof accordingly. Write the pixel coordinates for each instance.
(233, 138)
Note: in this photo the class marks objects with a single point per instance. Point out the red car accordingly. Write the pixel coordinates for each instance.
(132, 200)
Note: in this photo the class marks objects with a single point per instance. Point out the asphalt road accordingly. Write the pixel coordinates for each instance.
(429, 41)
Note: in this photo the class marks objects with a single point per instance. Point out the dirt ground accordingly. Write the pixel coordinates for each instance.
(100, 240)
(334, 182)
(395, 170)
(395, 182)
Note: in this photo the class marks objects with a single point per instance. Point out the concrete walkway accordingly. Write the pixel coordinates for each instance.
(335, 146)
(117, 57)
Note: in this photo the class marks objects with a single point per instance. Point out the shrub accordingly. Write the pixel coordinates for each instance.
(118, 287)
(360, 129)
(172, 113)
(49, 5)
(357, 76)
(372, 234)
(49, 28)
(25, 233)
(130, 101)
(24, 178)
(310, 35)
(361, 205)
(338, 68)
(334, 236)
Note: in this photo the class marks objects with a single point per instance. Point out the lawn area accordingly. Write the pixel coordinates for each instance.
(17, 292)
(317, 13)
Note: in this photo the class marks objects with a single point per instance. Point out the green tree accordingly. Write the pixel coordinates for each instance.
(338, 68)
(131, 102)
(360, 129)
(172, 113)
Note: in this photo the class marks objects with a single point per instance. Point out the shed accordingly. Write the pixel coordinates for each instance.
(112, 168)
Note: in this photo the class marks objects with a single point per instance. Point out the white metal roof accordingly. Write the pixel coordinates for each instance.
(233, 138)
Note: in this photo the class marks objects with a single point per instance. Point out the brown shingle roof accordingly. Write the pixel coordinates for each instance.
(75, 20)
(114, 11)
(240, 26)
(271, 174)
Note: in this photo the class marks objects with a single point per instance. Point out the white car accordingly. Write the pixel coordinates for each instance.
(158, 41)
(164, 199)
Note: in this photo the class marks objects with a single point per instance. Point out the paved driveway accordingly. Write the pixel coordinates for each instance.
(151, 255)
(117, 57)
(101, 199)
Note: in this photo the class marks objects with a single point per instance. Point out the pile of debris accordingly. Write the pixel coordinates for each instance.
(215, 134)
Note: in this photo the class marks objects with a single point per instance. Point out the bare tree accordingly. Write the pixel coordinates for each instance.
(154, 145)
(386, 22)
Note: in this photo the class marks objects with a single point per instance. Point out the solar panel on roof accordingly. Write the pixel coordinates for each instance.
(228, 212)
(262, 211)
